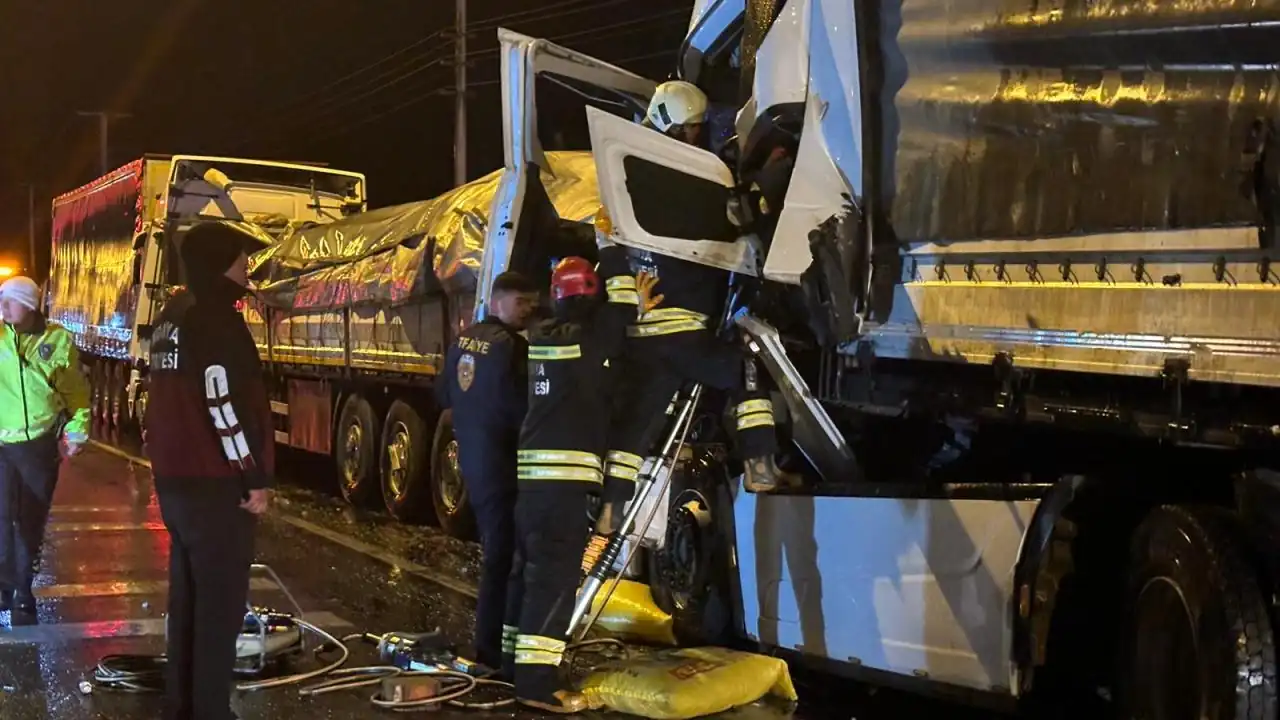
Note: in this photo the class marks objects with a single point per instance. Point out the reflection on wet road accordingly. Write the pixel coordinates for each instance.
(103, 590)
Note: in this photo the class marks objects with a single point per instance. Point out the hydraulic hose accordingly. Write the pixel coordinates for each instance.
(145, 673)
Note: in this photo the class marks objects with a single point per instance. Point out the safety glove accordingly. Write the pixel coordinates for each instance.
(645, 286)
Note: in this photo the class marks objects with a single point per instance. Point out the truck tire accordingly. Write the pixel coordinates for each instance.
(1199, 639)
(689, 576)
(355, 451)
(406, 464)
(448, 494)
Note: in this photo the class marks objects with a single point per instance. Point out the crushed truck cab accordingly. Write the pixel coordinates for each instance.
(1019, 300)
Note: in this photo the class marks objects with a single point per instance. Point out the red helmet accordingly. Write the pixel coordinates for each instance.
(574, 276)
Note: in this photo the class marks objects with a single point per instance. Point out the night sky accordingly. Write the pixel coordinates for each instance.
(365, 86)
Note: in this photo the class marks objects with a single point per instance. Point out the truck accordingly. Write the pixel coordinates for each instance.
(113, 262)
(353, 319)
(1017, 306)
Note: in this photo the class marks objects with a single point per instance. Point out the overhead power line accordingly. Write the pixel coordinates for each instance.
(539, 13)
(422, 61)
(434, 92)
(592, 35)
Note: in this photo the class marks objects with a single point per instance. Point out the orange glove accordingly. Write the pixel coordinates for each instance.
(645, 284)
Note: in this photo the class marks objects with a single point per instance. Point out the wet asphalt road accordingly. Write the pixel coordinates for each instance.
(103, 587)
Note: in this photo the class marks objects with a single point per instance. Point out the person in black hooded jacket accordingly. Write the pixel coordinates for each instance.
(211, 445)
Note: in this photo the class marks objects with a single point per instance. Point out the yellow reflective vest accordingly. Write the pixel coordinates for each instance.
(41, 385)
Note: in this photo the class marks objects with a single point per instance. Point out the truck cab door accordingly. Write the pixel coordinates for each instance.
(666, 196)
(520, 197)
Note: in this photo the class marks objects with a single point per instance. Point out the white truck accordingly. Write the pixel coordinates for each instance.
(1020, 305)
(113, 240)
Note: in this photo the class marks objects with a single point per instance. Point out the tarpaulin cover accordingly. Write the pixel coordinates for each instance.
(688, 683)
(91, 279)
(392, 255)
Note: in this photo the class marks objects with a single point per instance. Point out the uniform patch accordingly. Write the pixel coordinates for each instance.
(466, 371)
(45, 351)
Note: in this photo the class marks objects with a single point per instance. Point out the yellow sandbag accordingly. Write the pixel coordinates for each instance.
(687, 683)
(632, 615)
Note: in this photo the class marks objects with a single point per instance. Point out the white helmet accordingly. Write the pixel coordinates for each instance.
(676, 103)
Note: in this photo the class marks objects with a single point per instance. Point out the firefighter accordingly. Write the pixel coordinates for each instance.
(677, 343)
(44, 398)
(560, 465)
(211, 443)
(485, 385)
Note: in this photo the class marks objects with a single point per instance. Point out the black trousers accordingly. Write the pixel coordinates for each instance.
(495, 522)
(211, 549)
(551, 535)
(654, 369)
(29, 472)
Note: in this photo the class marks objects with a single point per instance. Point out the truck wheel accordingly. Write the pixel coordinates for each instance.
(447, 491)
(689, 575)
(1199, 640)
(405, 464)
(356, 451)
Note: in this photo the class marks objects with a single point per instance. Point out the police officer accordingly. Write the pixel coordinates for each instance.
(677, 343)
(484, 383)
(560, 463)
(44, 398)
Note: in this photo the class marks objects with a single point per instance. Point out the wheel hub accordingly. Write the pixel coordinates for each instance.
(353, 444)
(684, 565)
(451, 488)
(398, 455)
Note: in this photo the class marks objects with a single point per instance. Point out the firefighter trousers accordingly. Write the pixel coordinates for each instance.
(211, 550)
(551, 535)
(654, 370)
(495, 519)
(29, 474)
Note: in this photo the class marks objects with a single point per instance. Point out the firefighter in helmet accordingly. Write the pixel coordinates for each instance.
(677, 343)
(560, 466)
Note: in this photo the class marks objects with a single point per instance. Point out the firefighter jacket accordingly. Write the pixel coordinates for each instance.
(693, 295)
(484, 383)
(41, 384)
(566, 429)
(209, 415)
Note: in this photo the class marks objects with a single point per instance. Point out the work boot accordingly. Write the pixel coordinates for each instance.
(24, 601)
(764, 476)
(560, 702)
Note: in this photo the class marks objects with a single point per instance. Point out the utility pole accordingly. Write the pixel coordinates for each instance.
(31, 230)
(460, 95)
(104, 133)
